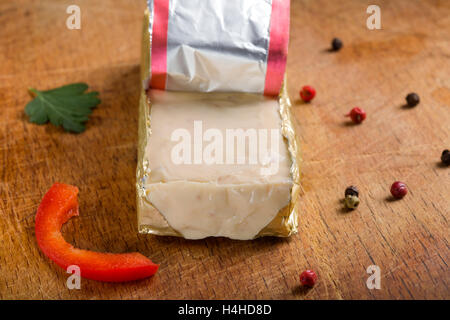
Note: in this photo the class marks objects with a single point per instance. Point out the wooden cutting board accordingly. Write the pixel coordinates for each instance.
(407, 239)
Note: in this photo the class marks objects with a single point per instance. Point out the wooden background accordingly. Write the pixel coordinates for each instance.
(407, 239)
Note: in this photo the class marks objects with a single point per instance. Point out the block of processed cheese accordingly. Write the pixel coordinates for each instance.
(215, 163)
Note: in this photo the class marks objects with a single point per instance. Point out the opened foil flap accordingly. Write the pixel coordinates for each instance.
(218, 45)
(232, 50)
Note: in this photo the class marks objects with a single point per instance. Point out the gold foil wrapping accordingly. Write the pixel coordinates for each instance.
(286, 221)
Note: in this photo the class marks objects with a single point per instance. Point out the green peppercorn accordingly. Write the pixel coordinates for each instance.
(445, 157)
(351, 201)
(352, 191)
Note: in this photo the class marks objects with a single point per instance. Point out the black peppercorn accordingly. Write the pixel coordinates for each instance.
(412, 99)
(445, 157)
(336, 44)
(352, 191)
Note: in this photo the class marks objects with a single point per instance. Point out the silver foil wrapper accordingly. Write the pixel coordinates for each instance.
(218, 45)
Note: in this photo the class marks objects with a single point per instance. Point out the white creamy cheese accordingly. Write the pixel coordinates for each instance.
(217, 163)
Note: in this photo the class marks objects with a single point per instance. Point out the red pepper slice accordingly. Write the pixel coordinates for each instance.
(59, 205)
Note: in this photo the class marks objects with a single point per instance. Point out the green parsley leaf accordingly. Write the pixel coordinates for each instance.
(68, 106)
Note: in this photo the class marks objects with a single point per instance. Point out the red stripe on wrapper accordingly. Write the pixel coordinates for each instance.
(159, 44)
(278, 47)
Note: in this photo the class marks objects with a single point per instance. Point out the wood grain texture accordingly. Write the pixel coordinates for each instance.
(375, 70)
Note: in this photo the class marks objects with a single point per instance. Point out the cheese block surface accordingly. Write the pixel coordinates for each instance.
(216, 164)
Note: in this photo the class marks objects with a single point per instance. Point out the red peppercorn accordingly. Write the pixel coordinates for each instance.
(307, 93)
(398, 189)
(357, 115)
(308, 278)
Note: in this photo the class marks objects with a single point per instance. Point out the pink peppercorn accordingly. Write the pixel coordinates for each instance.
(307, 93)
(357, 115)
(398, 190)
(308, 278)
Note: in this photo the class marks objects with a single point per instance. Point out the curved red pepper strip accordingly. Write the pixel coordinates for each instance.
(59, 205)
